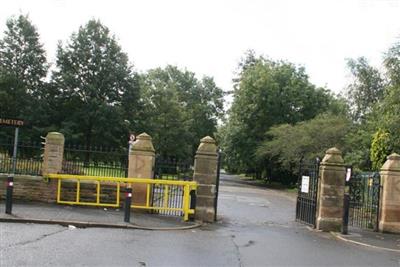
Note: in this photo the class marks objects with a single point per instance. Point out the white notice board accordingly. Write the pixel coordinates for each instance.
(305, 183)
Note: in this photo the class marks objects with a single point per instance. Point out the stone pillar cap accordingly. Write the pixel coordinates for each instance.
(394, 156)
(207, 145)
(333, 155)
(143, 143)
(208, 140)
(55, 135)
(392, 163)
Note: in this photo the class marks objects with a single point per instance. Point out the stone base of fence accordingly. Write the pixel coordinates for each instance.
(30, 188)
(38, 189)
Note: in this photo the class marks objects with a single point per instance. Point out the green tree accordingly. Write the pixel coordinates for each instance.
(23, 69)
(21, 53)
(267, 93)
(385, 119)
(180, 109)
(380, 148)
(366, 89)
(98, 89)
(287, 143)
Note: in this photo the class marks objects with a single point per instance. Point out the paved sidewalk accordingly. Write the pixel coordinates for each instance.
(385, 241)
(90, 217)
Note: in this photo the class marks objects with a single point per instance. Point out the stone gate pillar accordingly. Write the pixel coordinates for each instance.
(53, 153)
(141, 165)
(205, 174)
(390, 195)
(331, 191)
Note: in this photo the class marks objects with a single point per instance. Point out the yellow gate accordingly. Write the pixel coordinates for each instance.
(186, 187)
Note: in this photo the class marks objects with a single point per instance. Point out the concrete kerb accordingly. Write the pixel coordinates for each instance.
(338, 236)
(82, 224)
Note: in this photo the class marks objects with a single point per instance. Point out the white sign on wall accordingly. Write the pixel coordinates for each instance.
(305, 184)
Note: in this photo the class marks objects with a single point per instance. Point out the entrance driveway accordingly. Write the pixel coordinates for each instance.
(256, 228)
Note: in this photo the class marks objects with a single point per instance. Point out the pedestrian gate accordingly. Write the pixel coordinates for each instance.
(307, 193)
(166, 203)
(364, 192)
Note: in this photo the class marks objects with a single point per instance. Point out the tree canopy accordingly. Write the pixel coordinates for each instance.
(180, 109)
(366, 89)
(267, 93)
(23, 69)
(98, 88)
(94, 96)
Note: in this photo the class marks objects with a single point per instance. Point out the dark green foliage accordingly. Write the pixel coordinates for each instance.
(267, 94)
(308, 139)
(366, 89)
(99, 92)
(23, 69)
(180, 110)
(379, 149)
(21, 54)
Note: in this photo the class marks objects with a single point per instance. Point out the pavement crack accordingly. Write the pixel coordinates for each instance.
(27, 242)
(237, 248)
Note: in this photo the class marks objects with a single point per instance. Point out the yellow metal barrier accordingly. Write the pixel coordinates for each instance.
(186, 186)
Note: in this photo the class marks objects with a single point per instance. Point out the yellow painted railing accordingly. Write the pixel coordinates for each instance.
(165, 185)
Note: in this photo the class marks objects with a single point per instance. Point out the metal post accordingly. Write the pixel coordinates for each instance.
(127, 205)
(15, 151)
(346, 206)
(10, 178)
(299, 189)
(217, 185)
(376, 228)
(127, 160)
(9, 194)
(192, 202)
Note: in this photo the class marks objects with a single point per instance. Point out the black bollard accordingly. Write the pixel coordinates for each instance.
(9, 194)
(192, 203)
(346, 206)
(127, 206)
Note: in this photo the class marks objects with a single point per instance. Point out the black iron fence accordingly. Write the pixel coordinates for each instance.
(96, 161)
(170, 168)
(29, 157)
(364, 193)
(307, 192)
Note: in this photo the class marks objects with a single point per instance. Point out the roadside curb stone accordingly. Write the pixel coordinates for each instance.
(375, 240)
(83, 217)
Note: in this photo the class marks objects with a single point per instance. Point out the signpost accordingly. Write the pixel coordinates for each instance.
(128, 194)
(10, 179)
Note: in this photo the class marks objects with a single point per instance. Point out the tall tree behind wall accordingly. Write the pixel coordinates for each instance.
(366, 89)
(99, 90)
(180, 109)
(267, 93)
(23, 69)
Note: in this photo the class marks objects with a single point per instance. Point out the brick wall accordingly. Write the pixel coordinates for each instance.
(35, 188)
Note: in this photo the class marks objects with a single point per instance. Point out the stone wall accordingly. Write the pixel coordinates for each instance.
(30, 188)
(37, 189)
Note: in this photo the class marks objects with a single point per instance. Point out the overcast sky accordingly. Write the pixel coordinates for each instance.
(209, 37)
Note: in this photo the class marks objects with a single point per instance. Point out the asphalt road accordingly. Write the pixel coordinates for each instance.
(256, 228)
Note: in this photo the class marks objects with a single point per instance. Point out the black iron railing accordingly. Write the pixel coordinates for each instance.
(364, 192)
(307, 193)
(95, 161)
(29, 157)
(170, 168)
